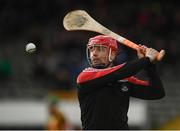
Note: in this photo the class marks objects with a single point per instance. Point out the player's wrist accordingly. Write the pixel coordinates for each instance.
(151, 57)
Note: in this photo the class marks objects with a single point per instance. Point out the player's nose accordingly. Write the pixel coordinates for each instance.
(95, 52)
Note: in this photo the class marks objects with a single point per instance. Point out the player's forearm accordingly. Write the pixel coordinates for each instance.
(154, 90)
(132, 68)
(154, 80)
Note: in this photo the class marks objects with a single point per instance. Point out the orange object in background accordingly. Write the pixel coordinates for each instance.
(56, 120)
(173, 124)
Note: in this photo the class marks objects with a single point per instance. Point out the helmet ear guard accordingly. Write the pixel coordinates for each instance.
(88, 56)
(110, 55)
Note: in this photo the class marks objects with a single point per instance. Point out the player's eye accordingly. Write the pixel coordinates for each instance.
(95, 47)
(103, 48)
(91, 48)
(98, 48)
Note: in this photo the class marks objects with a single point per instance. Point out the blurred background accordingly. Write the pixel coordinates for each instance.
(38, 91)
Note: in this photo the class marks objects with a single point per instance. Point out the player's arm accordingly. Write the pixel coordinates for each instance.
(153, 88)
(98, 79)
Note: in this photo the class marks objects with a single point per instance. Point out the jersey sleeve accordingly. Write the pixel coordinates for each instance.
(151, 89)
(100, 77)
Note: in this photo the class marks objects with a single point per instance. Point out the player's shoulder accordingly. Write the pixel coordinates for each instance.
(92, 73)
(85, 73)
(91, 69)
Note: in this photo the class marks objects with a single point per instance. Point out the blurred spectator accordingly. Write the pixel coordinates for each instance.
(5, 64)
(56, 120)
(5, 69)
(172, 124)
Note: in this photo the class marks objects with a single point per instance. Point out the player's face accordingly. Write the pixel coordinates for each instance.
(99, 55)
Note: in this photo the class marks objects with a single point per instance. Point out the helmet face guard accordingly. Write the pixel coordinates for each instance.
(101, 41)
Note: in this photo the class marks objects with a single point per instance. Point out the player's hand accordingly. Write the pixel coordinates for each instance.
(151, 54)
(141, 51)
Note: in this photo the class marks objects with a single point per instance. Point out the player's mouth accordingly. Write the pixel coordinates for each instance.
(95, 61)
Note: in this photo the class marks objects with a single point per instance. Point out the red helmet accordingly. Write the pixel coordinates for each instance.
(103, 40)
